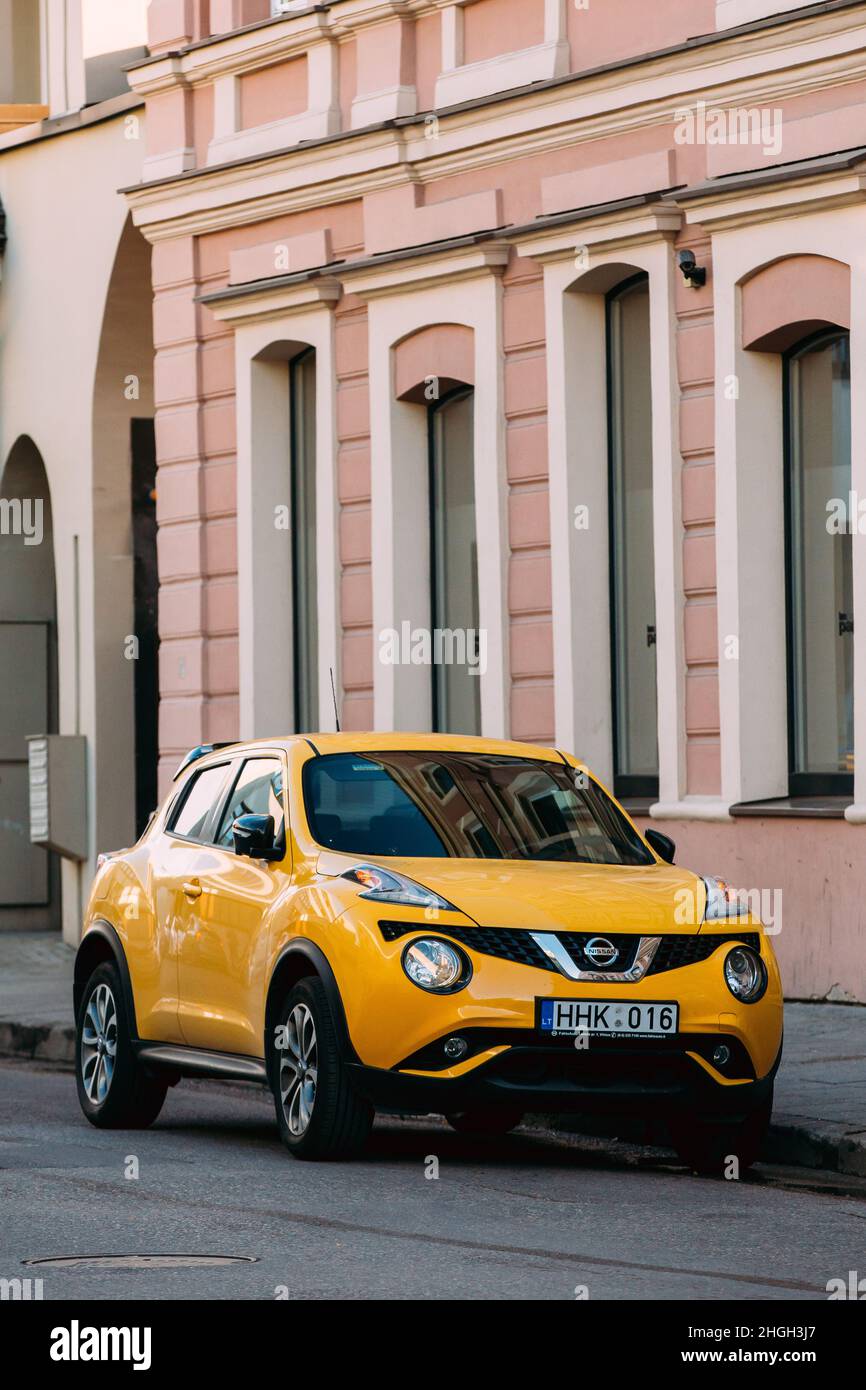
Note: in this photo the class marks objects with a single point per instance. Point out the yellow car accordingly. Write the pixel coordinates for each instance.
(427, 924)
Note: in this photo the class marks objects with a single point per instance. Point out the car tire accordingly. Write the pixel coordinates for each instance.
(708, 1146)
(485, 1120)
(115, 1091)
(319, 1113)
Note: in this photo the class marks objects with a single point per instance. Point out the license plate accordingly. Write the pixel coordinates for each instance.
(608, 1018)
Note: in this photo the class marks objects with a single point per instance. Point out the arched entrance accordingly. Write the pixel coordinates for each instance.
(124, 553)
(29, 878)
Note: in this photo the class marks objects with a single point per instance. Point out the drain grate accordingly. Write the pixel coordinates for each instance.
(140, 1261)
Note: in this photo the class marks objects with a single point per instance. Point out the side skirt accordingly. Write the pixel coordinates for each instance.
(194, 1061)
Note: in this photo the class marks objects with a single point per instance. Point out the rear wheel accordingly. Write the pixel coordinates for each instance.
(709, 1147)
(485, 1120)
(115, 1091)
(319, 1114)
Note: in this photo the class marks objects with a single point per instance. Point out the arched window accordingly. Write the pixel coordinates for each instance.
(454, 564)
(817, 381)
(305, 647)
(632, 563)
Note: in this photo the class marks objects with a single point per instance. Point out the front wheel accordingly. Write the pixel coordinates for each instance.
(722, 1149)
(319, 1114)
(114, 1090)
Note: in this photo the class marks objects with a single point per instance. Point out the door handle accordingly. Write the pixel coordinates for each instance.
(846, 624)
(193, 889)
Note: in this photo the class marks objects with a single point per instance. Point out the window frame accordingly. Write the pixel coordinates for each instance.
(626, 786)
(456, 393)
(801, 784)
(217, 807)
(225, 800)
(299, 585)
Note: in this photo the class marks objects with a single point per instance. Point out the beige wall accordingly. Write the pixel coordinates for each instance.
(62, 383)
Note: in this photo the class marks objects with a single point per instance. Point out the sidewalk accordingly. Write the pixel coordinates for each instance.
(819, 1119)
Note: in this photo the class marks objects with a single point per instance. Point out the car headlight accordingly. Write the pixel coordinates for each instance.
(745, 974)
(723, 901)
(386, 886)
(436, 965)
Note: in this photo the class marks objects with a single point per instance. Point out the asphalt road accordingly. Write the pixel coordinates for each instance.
(525, 1217)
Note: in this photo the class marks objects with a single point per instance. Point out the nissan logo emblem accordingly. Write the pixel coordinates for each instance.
(601, 951)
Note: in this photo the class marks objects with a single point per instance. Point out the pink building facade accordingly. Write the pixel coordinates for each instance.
(546, 322)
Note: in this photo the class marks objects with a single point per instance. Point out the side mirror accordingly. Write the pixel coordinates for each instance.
(662, 844)
(254, 836)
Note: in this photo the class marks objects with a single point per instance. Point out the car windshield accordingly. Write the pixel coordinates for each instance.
(465, 806)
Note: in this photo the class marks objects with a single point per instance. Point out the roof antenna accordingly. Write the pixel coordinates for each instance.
(334, 694)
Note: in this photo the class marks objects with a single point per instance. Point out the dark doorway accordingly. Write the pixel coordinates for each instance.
(146, 598)
(29, 875)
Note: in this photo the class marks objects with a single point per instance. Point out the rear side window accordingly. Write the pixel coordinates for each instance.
(199, 801)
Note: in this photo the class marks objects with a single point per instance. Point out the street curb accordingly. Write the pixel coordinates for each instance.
(806, 1143)
(42, 1042)
(794, 1140)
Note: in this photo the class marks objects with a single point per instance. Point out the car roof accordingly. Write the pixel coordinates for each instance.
(391, 742)
(417, 742)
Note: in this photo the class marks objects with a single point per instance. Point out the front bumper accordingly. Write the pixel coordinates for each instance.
(545, 1074)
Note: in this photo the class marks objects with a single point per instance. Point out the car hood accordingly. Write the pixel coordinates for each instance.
(562, 897)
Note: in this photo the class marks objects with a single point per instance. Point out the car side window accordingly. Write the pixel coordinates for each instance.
(200, 800)
(257, 792)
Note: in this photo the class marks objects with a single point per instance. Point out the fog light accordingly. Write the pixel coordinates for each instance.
(722, 1055)
(455, 1048)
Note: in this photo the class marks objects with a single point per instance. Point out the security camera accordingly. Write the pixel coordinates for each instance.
(694, 274)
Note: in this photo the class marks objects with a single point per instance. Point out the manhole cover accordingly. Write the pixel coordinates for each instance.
(141, 1261)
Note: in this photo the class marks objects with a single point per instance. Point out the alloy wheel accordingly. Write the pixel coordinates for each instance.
(299, 1070)
(99, 1044)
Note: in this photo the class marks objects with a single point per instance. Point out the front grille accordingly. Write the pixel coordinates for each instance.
(677, 951)
(516, 944)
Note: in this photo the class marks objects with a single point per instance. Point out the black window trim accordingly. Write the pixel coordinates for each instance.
(461, 391)
(219, 803)
(263, 755)
(299, 587)
(626, 786)
(806, 785)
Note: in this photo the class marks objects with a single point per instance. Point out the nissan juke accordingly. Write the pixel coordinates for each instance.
(423, 924)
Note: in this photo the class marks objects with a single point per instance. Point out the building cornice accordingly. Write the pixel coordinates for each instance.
(56, 126)
(368, 277)
(798, 191)
(424, 267)
(779, 62)
(600, 230)
(268, 300)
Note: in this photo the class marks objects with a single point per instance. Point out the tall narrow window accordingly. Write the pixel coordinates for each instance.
(20, 77)
(454, 565)
(632, 564)
(819, 553)
(302, 380)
